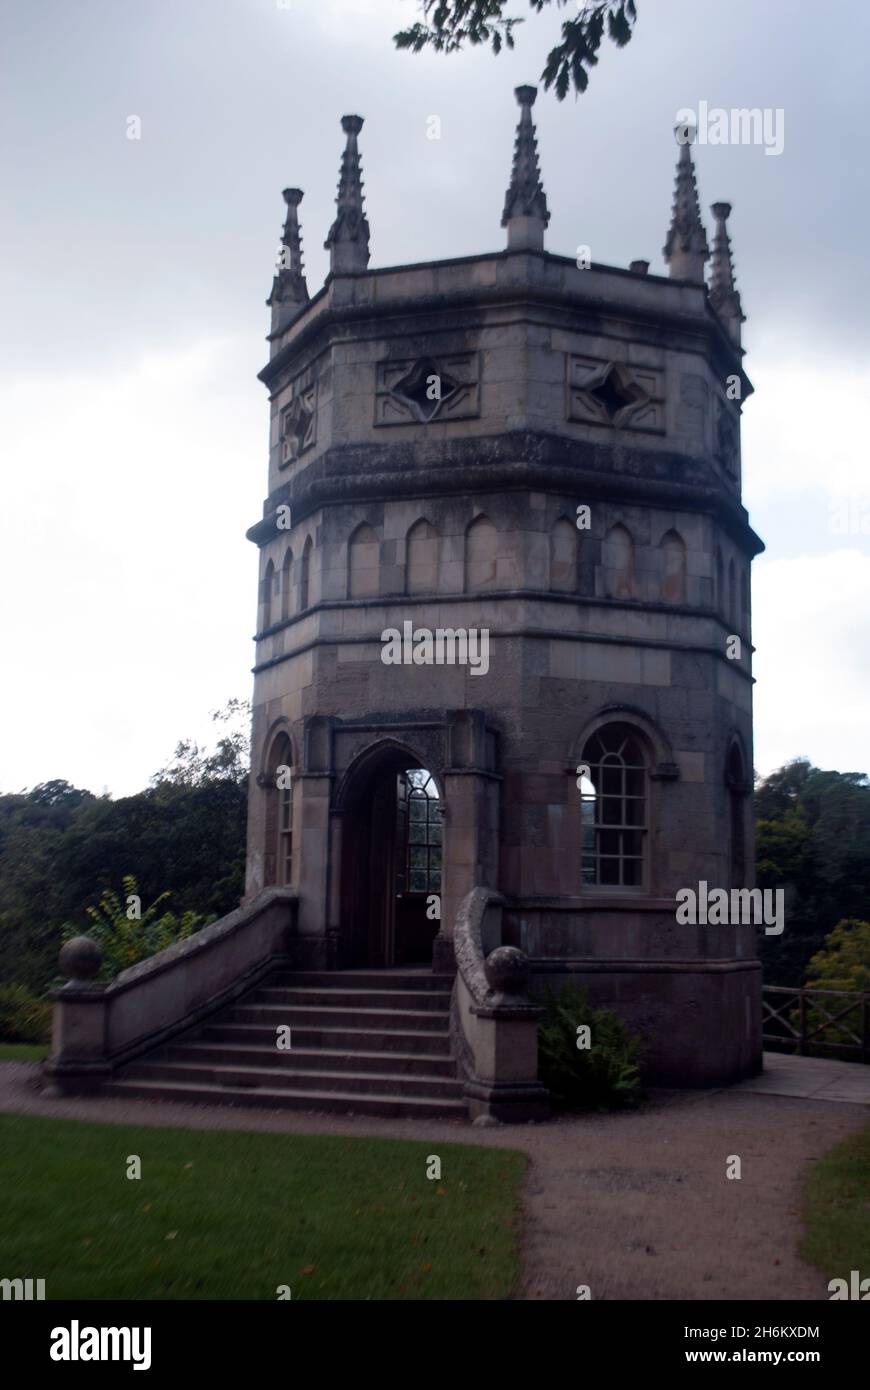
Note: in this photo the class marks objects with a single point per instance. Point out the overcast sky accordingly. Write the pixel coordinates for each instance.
(134, 273)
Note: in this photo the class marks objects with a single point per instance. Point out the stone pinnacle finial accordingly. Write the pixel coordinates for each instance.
(289, 289)
(723, 290)
(525, 206)
(348, 240)
(686, 249)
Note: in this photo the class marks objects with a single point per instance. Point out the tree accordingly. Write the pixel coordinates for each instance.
(842, 964)
(780, 791)
(844, 961)
(59, 793)
(192, 766)
(61, 848)
(449, 24)
(812, 840)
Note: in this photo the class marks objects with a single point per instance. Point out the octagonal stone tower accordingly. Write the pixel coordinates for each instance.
(537, 461)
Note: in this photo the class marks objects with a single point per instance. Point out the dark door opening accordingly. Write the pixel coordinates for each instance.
(391, 876)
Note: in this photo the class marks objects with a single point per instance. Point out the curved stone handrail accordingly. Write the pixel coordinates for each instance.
(215, 935)
(468, 940)
(98, 1027)
(494, 1025)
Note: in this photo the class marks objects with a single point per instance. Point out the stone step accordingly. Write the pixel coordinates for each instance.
(307, 1059)
(368, 1042)
(231, 1075)
(342, 998)
(386, 1020)
(277, 1098)
(341, 1039)
(365, 979)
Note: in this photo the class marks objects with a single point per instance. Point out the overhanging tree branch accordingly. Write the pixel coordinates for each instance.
(450, 24)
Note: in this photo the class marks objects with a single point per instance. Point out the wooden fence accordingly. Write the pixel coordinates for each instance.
(817, 1022)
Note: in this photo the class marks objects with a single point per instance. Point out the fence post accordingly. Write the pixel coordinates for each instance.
(802, 1019)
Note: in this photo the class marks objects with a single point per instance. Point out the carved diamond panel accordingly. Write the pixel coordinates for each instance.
(299, 420)
(614, 395)
(418, 390)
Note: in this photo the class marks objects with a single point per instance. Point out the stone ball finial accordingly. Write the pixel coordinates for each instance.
(351, 125)
(526, 95)
(507, 970)
(81, 958)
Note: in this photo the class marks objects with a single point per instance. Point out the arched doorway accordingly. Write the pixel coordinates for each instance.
(392, 837)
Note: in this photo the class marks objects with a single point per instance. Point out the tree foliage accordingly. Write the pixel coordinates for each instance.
(844, 960)
(23, 1017)
(843, 963)
(192, 766)
(126, 940)
(812, 840)
(450, 24)
(61, 847)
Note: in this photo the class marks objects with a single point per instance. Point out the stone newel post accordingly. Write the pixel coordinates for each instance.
(78, 1044)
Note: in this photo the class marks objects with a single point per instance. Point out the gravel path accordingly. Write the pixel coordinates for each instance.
(635, 1205)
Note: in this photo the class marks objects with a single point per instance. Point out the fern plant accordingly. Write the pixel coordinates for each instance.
(604, 1076)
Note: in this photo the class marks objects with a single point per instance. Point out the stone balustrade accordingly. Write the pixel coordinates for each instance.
(494, 1024)
(98, 1027)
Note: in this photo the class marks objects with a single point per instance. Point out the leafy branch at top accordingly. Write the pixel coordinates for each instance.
(450, 24)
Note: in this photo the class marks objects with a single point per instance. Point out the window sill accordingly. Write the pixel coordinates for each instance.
(600, 901)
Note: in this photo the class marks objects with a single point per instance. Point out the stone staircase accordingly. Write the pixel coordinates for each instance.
(366, 1042)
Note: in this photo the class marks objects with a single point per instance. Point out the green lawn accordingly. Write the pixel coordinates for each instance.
(837, 1209)
(23, 1052)
(223, 1214)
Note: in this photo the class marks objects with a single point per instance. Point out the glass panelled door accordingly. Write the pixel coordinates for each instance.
(419, 837)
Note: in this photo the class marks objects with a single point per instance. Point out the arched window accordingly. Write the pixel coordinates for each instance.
(481, 556)
(744, 602)
(278, 855)
(286, 582)
(421, 559)
(305, 575)
(363, 559)
(266, 595)
(613, 809)
(563, 557)
(720, 582)
(618, 561)
(735, 781)
(732, 594)
(673, 568)
(420, 817)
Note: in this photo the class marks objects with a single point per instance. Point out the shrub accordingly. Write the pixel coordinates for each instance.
(126, 941)
(604, 1076)
(842, 964)
(23, 1017)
